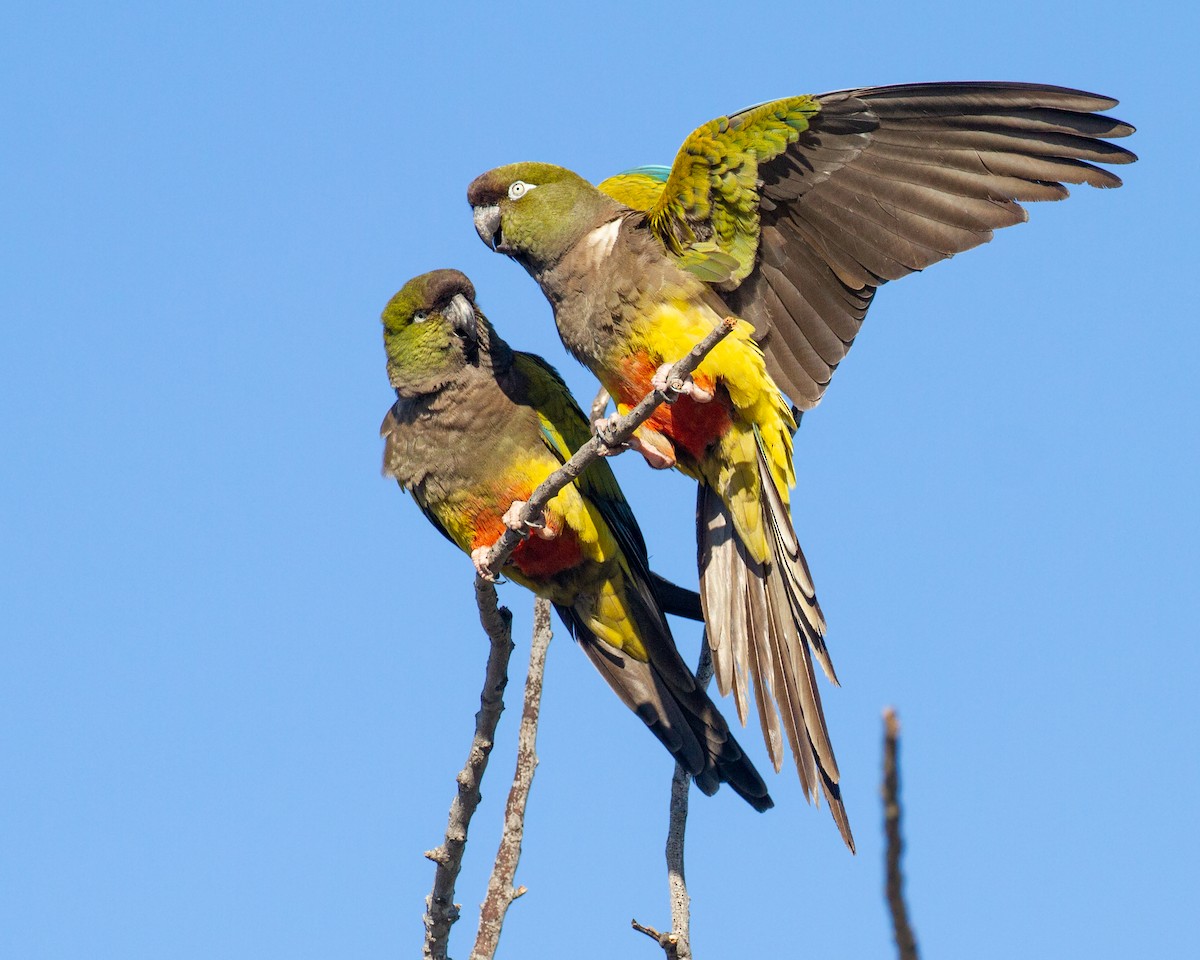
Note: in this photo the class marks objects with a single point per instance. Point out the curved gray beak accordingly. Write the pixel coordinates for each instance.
(487, 225)
(461, 315)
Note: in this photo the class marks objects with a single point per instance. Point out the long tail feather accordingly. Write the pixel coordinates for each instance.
(766, 626)
(666, 697)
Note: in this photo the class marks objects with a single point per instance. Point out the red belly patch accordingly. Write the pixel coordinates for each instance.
(535, 556)
(691, 426)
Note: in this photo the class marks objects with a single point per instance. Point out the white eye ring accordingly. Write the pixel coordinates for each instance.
(420, 316)
(518, 188)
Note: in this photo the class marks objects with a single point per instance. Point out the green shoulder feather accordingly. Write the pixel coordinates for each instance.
(707, 210)
(639, 188)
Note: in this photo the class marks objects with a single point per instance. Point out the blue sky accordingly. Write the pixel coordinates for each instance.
(237, 668)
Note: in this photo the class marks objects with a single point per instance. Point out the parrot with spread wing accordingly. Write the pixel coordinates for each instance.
(476, 427)
(788, 216)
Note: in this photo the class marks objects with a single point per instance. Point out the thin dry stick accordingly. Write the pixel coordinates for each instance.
(677, 943)
(501, 892)
(906, 944)
(668, 941)
(681, 783)
(440, 909)
(607, 439)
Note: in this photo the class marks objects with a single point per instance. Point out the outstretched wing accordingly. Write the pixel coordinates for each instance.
(798, 210)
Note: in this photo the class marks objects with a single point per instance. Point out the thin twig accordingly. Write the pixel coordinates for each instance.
(681, 782)
(906, 944)
(500, 891)
(678, 944)
(668, 941)
(440, 909)
(614, 436)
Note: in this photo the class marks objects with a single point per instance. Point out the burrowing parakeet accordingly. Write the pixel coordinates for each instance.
(478, 426)
(788, 215)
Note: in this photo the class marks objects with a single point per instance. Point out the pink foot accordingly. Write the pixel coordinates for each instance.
(658, 459)
(678, 388)
(512, 520)
(658, 451)
(479, 558)
(602, 428)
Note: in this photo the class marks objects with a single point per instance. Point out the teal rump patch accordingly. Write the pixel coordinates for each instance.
(654, 171)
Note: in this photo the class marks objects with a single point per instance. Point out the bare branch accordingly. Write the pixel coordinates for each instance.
(906, 944)
(677, 944)
(681, 783)
(500, 891)
(615, 435)
(440, 909)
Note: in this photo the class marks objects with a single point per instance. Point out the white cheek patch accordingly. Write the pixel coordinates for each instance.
(600, 242)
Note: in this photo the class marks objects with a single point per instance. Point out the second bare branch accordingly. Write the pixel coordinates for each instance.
(441, 911)
(500, 891)
(906, 942)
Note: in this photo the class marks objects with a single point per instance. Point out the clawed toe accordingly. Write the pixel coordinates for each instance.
(603, 428)
(479, 558)
(512, 520)
(677, 387)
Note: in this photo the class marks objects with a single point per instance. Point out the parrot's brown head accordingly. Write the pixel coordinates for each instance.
(431, 330)
(535, 212)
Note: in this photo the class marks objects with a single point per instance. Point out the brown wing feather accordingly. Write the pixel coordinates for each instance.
(888, 180)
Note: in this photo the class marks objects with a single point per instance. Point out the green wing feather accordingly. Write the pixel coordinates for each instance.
(707, 210)
(564, 430)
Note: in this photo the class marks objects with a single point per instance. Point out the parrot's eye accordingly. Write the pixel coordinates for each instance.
(420, 316)
(518, 188)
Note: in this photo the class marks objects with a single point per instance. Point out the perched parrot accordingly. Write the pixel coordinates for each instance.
(476, 427)
(788, 216)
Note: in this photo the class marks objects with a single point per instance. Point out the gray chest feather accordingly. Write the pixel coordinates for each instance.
(453, 439)
(604, 282)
